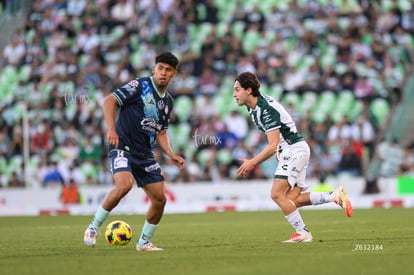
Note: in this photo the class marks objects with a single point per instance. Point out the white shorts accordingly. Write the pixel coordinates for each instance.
(293, 161)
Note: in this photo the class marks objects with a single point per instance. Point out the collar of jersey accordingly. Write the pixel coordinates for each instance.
(260, 98)
(156, 88)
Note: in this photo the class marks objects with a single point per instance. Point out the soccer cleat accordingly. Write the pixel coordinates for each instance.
(148, 247)
(305, 237)
(342, 200)
(90, 236)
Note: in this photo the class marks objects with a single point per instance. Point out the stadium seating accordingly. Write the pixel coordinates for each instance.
(292, 51)
(379, 107)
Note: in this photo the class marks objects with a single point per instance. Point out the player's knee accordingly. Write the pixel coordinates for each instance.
(124, 181)
(277, 196)
(124, 188)
(296, 202)
(159, 201)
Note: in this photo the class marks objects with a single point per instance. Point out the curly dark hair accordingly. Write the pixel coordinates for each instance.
(249, 80)
(167, 58)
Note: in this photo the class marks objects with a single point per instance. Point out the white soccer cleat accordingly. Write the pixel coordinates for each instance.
(305, 237)
(148, 247)
(90, 236)
(341, 199)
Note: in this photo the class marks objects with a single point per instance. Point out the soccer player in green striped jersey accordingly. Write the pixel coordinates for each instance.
(292, 152)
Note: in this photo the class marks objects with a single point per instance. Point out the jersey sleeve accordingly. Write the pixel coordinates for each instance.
(270, 120)
(127, 93)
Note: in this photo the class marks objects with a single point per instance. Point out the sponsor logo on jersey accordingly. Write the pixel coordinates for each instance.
(152, 167)
(120, 162)
(149, 124)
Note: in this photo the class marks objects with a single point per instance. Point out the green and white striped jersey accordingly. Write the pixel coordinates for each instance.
(269, 115)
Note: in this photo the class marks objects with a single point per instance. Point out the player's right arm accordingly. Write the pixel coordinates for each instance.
(109, 110)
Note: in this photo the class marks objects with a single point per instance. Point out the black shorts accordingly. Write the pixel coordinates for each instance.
(145, 171)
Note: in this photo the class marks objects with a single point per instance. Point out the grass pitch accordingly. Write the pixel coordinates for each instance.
(375, 241)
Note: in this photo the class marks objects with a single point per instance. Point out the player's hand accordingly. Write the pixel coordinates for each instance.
(246, 167)
(179, 161)
(112, 137)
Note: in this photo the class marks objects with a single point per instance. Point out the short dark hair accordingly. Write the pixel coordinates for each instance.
(249, 80)
(167, 58)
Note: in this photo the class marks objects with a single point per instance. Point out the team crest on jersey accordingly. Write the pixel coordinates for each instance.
(160, 104)
(134, 83)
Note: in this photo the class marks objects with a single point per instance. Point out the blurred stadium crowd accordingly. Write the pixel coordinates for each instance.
(337, 65)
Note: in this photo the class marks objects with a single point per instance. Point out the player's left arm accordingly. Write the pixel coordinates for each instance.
(164, 142)
(273, 139)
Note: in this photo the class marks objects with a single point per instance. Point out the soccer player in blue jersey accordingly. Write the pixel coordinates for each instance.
(292, 152)
(144, 111)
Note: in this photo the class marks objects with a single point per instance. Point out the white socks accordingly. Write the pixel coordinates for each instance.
(321, 197)
(295, 219)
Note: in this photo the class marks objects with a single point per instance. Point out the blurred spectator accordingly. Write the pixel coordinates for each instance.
(392, 156)
(339, 131)
(89, 150)
(184, 84)
(237, 124)
(326, 163)
(367, 132)
(227, 139)
(69, 151)
(42, 140)
(76, 7)
(330, 78)
(206, 108)
(255, 18)
(363, 89)
(350, 163)
(42, 169)
(125, 70)
(245, 64)
(348, 80)
(211, 12)
(170, 170)
(121, 12)
(104, 176)
(4, 143)
(53, 177)
(91, 69)
(194, 169)
(16, 144)
(293, 80)
(208, 82)
(14, 52)
(3, 180)
(88, 39)
(72, 172)
(322, 185)
(46, 21)
(407, 166)
(70, 193)
(16, 181)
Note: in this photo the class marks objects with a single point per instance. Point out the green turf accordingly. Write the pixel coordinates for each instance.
(217, 243)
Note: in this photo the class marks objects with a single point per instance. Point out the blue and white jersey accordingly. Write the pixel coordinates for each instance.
(143, 113)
